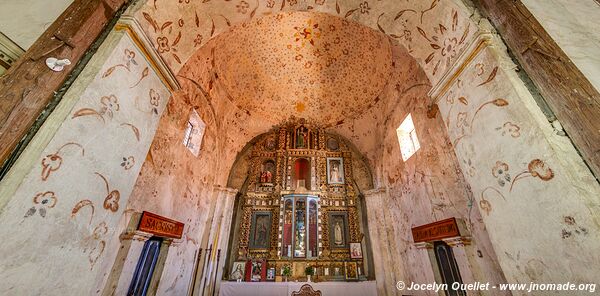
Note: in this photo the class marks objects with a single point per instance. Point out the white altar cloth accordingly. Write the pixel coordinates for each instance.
(367, 288)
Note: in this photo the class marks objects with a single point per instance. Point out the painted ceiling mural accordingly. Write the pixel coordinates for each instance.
(306, 63)
(434, 32)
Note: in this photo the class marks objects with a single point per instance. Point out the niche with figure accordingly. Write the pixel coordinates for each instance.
(301, 174)
(267, 172)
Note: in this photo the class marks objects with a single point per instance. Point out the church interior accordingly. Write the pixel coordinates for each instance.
(299, 147)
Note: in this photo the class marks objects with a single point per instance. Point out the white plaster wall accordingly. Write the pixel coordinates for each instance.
(537, 198)
(574, 27)
(60, 221)
(24, 21)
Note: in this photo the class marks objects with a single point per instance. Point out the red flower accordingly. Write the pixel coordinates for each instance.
(538, 168)
(50, 163)
(47, 199)
(111, 202)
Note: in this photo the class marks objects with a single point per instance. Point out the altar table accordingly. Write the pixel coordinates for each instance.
(366, 288)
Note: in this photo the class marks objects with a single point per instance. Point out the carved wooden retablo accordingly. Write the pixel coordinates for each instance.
(306, 290)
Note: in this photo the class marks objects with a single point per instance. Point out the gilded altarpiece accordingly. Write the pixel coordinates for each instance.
(301, 177)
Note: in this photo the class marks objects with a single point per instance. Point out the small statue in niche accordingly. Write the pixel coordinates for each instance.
(337, 234)
(335, 171)
(301, 137)
(266, 177)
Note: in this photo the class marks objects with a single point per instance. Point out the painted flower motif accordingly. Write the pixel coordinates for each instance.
(461, 119)
(198, 40)
(50, 163)
(130, 57)
(109, 104)
(485, 206)
(47, 199)
(163, 44)
(100, 230)
(270, 3)
(407, 35)
(242, 7)
(154, 100)
(42, 202)
(111, 202)
(500, 171)
(510, 128)
(364, 7)
(292, 2)
(128, 162)
(449, 47)
(538, 168)
(307, 33)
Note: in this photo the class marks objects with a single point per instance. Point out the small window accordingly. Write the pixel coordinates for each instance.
(407, 137)
(194, 133)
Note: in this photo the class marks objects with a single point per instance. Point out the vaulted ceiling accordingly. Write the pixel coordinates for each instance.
(311, 65)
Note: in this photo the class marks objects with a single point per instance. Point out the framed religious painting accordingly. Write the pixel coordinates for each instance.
(271, 274)
(351, 271)
(356, 251)
(335, 170)
(256, 270)
(260, 231)
(238, 271)
(338, 230)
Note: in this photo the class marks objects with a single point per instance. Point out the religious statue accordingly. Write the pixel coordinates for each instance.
(335, 172)
(301, 138)
(337, 234)
(266, 177)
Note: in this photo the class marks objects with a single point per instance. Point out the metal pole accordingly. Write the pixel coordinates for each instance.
(194, 276)
(214, 286)
(207, 261)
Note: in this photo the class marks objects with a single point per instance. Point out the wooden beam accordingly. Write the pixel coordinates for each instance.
(29, 85)
(572, 98)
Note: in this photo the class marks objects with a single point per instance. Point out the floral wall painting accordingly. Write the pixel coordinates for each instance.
(52, 162)
(335, 170)
(83, 175)
(42, 202)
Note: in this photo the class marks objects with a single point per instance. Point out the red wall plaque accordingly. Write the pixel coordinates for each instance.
(436, 231)
(160, 226)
